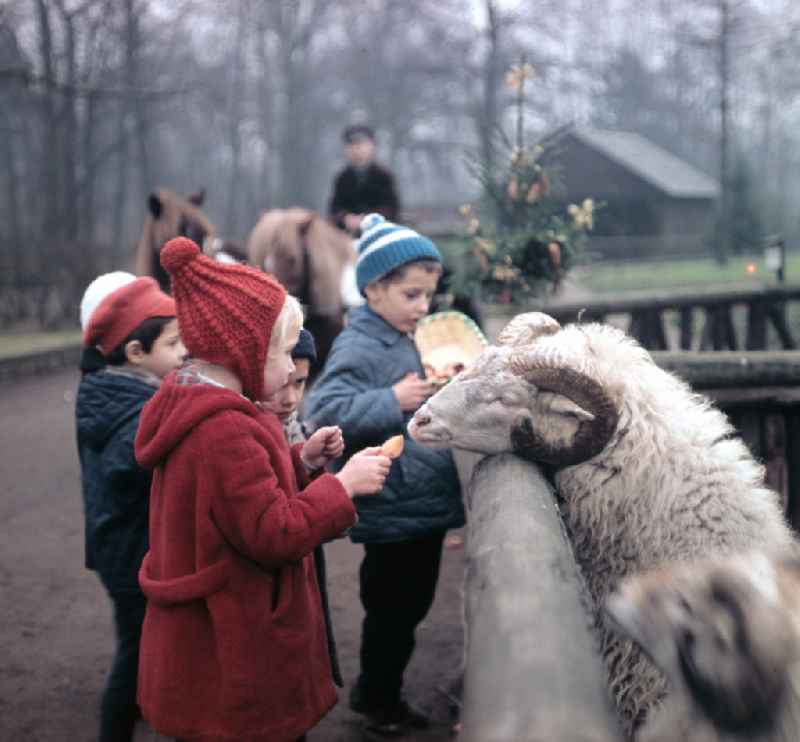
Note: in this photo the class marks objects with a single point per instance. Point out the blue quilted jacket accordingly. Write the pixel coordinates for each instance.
(422, 492)
(116, 490)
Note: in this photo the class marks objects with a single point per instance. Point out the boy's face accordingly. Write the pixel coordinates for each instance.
(279, 363)
(360, 152)
(287, 399)
(167, 353)
(404, 302)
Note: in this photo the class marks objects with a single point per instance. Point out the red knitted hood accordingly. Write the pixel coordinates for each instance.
(176, 409)
(225, 312)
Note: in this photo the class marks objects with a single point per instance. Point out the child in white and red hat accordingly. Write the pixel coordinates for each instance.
(131, 332)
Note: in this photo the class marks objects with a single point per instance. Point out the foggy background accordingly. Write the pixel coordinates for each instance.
(103, 100)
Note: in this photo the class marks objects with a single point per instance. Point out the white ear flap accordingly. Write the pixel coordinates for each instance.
(564, 406)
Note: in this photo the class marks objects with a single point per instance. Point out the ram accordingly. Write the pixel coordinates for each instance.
(726, 633)
(647, 472)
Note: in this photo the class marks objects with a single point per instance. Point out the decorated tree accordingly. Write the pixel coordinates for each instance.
(530, 241)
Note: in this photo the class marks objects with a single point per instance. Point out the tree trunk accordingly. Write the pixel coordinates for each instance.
(724, 103)
(9, 146)
(121, 192)
(126, 114)
(51, 145)
(265, 113)
(69, 201)
(491, 73)
(138, 103)
(234, 119)
(87, 155)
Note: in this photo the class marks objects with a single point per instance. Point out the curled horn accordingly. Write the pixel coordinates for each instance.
(554, 371)
(524, 329)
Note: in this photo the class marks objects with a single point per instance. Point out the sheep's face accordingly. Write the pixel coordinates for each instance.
(477, 410)
(722, 630)
(490, 409)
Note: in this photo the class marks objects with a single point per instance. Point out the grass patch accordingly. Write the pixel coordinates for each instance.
(605, 278)
(20, 344)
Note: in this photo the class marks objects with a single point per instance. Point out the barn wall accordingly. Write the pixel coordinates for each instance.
(635, 219)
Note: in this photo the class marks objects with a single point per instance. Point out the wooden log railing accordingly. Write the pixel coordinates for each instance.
(532, 669)
(766, 307)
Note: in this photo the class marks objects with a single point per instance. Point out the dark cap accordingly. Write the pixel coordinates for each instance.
(305, 347)
(357, 131)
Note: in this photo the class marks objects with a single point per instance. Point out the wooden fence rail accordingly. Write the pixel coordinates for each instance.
(760, 393)
(532, 671)
(710, 310)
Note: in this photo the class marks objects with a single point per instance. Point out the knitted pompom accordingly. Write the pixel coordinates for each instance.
(179, 251)
(371, 220)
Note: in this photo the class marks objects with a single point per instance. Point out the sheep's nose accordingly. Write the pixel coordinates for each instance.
(421, 419)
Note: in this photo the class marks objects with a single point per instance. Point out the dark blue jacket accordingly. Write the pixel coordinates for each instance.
(115, 488)
(422, 493)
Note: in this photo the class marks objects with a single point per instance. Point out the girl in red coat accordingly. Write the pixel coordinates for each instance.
(233, 646)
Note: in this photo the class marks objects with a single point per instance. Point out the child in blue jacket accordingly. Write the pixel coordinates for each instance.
(133, 335)
(372, 384)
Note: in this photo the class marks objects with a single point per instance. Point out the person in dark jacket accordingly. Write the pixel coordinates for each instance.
(363, 186)
(133, 335)
(371, 386)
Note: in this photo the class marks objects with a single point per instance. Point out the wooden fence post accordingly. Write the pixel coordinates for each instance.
(532, 668)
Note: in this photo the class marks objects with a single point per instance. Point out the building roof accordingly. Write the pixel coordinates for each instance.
(659, 168)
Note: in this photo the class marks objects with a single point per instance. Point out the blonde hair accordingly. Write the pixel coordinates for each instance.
(289, 321)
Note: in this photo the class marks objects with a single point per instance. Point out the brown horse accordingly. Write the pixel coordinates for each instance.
(309, 257)
(170, 215)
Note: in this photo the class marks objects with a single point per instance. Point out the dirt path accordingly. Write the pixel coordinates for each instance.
(56, 636)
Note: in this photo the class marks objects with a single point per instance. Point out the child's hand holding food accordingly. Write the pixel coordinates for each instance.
(411, 392)
(365, 472)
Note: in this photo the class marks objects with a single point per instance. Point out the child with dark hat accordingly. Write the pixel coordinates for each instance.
(130, 329)
(285, 403)
(234, 644)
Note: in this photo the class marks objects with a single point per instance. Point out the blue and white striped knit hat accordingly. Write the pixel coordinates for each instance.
(385, 246)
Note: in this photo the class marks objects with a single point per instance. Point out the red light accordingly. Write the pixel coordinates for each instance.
(751, 268)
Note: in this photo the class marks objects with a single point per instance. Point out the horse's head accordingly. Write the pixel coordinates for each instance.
(170, 215)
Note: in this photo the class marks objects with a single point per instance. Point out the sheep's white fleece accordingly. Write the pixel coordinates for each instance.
(672, 484)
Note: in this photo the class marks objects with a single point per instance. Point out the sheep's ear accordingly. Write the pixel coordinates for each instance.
(154, 205)
(528, 444)
(565, 406)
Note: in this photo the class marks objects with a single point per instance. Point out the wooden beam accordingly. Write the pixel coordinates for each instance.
(777, 313)
(724, 369)
(532, 667)
(756, 326)
(687, 327)
(673, 299)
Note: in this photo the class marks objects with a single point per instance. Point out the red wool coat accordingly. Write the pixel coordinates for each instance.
(233, 645)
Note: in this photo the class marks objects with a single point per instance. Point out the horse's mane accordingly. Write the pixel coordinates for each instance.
(322, 232)
(156, 232)
(276, 228)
